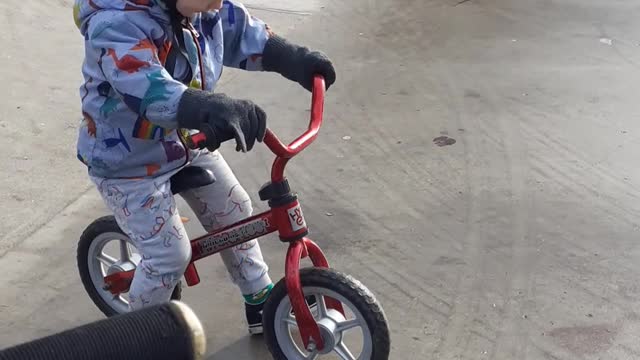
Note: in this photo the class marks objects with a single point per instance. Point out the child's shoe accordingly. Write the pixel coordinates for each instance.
(254, 304)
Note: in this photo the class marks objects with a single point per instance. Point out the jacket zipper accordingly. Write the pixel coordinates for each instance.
(193, 33)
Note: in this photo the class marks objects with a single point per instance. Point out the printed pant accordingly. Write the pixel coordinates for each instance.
(146, 211)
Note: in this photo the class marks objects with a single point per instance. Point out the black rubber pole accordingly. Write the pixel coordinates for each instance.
(169, 331)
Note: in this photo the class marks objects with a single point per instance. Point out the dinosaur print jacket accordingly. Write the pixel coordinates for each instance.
(134, 77)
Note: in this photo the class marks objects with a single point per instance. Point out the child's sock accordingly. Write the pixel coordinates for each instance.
(259, 297)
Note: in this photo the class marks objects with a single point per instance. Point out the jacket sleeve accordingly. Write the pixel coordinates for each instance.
(244, 37)
(129, 59)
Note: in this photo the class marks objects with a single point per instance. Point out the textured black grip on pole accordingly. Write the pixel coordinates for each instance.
(169, 331)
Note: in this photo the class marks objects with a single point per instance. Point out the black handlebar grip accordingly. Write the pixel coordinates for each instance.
(169, 331)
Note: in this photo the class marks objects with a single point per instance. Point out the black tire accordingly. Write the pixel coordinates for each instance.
(345, 285)
(106, 224)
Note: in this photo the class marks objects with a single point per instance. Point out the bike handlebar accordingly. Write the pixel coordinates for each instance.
(304, 140)
(294, 148)
(168, 331)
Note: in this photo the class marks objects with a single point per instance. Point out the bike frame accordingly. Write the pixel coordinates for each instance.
(285, 217)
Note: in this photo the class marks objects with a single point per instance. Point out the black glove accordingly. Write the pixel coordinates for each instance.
(297, 63)
(222, 118)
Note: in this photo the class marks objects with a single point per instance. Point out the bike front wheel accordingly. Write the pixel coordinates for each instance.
(360, 333)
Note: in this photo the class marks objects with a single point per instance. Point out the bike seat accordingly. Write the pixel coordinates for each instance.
(191, 177)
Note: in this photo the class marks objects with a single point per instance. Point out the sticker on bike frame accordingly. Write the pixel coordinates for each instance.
(296, 219)
(234, 236)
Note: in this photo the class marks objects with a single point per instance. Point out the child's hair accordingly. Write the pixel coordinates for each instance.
(177, 21)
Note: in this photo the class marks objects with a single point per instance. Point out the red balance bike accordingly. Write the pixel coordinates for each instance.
(345, 317)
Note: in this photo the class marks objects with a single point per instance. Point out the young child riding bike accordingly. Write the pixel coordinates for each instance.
(150, 69)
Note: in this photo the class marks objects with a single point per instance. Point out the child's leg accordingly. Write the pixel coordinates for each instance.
(146, 211)
(224, 203)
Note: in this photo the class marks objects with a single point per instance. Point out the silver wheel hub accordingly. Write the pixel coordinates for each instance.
(121, 266)
(102, 263)
(329, 331)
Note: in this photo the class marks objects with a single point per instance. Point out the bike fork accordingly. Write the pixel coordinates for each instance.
(309, 330)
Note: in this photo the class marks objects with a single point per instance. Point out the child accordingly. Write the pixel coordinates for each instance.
(150, 70)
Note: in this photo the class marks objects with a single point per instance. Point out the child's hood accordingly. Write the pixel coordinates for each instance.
(83, 10)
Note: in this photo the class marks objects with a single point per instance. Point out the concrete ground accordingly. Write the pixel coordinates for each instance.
(477, 171)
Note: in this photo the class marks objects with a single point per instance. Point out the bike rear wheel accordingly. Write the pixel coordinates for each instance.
(97, 257)
(363, 316)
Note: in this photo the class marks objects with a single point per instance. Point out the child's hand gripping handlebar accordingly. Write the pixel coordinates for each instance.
(199, 140)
